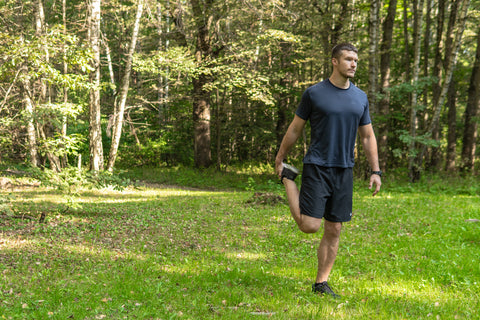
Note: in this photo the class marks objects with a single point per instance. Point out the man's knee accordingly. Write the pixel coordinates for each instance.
(310, 224)
(332, 229)
(308, 228)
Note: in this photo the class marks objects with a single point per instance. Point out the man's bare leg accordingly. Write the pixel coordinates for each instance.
(305, 223)
(327, 251)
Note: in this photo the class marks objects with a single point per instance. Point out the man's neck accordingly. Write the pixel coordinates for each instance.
(340, 82)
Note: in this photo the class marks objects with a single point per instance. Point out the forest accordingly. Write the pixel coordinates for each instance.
(208, 83)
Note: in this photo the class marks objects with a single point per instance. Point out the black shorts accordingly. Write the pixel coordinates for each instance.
(327, 193)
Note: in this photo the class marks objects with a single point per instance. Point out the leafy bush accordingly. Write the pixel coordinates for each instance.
(71, 179)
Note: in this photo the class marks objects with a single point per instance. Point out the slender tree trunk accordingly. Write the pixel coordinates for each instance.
(64, 160)
(450, 59)
(384, 104)
(372, 55)
(26, 93)
(31, 132)
(427, 38)
(39, 32)
(164, 43)
(406, 52)
(435, 153)
(284, 99)
(437, 64)
(119, 109)
(201, 97)
(417, 16)
(332, 25)
(45, 128)
(111, 74)
(452, 128)
(471, 114)
(95, 136)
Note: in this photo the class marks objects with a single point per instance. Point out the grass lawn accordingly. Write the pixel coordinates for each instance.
(160, 252)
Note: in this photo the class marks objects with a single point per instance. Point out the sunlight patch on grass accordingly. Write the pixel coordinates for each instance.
(95, 251)
(282, 219)
(412, 289)
(245, 255)
(14, 243)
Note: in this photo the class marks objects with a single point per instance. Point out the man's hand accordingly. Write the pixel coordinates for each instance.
(278, 167)
(377, 181)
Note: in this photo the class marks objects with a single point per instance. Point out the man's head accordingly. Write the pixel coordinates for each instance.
(337, 50)
(344, 60)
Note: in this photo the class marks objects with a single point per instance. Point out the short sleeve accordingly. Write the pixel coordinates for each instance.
(305, 107)
(365, 119)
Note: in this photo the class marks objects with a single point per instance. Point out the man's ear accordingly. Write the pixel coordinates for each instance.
(334, 61)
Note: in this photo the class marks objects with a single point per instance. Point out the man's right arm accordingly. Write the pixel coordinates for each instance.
(294, 131)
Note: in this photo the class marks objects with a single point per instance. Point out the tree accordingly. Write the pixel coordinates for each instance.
(417, 16)
(119, 110)
(454, 35)
(472, 111)
(332, 24)
(451, 152)
(385, 75)
(372, 54)
(203, 17)
(95, 129)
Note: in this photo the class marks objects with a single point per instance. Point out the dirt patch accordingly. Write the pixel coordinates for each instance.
(265, 198)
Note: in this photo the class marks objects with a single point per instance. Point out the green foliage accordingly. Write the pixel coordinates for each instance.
(70, 180)
(176, 61)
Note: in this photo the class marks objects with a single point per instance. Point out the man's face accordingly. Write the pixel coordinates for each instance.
(346, 64)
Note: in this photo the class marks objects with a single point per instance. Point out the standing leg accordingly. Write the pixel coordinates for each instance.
(327, 251)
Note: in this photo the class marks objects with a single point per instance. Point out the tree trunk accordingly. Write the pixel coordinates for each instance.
(119, 108)
(201, 97)
(471, 114)
(406, 52)
(450, 59)
(372, 55)
(64, 160)
(435, 153)
(384, 104)
(163, 45)
(29, 109)
(452, 128)
(417, 18)
(45, 127)
(284, 99)
(437, 64)
(95, 128)
(459, 27)
(332, 25)
(31, 132)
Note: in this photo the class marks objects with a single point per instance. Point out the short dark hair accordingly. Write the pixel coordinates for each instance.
(337, 50)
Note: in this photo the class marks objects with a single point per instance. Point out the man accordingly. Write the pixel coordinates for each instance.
(337, 109)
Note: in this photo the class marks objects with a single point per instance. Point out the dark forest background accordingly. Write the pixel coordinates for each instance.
(121, 84)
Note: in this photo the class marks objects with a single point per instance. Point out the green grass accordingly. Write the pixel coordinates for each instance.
(185, 253)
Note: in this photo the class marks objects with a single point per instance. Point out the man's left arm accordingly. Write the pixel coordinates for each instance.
(369, 143)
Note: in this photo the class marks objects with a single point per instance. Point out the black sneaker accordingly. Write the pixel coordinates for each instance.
(324, 288)
(289, 172)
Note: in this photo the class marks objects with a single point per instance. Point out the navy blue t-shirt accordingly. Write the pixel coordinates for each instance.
(335, 115)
